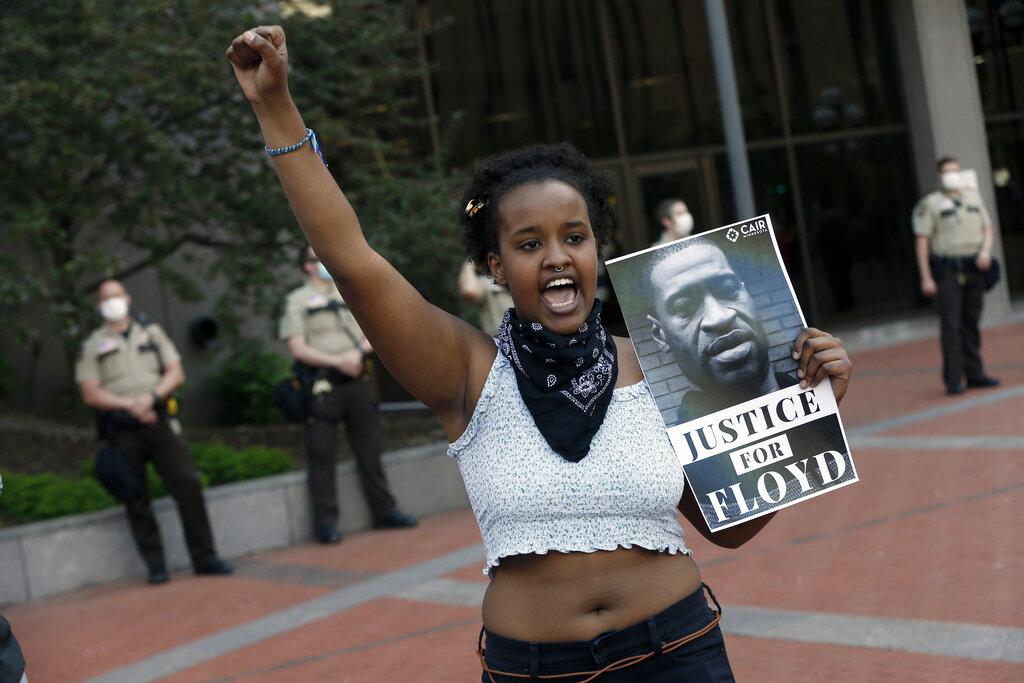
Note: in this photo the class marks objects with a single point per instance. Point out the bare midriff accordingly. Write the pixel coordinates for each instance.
(579, 596)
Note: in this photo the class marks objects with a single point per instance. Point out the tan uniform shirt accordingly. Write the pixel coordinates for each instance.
(953, 224)
(322, 318)
(126, 366)
(496, 300)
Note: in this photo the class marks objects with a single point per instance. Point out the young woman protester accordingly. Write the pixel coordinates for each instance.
(559, 441)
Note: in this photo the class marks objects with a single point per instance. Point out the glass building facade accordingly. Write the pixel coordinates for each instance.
(631, 84)
(997, 36)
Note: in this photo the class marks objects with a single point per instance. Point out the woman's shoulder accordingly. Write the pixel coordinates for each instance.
(629, 367)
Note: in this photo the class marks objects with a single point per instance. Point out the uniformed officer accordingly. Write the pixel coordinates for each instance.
(127, 373)
(953, 249)
(675, 219)
(332, 360)
(491, 299)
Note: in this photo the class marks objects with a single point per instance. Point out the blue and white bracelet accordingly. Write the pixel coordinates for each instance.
(310, 137)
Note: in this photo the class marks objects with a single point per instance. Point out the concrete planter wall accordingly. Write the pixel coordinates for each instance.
(60, 555)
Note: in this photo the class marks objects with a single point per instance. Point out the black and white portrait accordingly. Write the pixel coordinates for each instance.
(713, 318)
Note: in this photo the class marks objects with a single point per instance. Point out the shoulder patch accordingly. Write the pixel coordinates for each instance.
(106, 346)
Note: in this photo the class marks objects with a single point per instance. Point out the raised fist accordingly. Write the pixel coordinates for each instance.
(259, 58)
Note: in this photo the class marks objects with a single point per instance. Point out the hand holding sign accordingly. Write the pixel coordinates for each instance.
(736, 373)
(821, 355)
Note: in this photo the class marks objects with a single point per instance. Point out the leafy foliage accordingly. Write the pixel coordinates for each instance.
(244, 385)
(128, 146)
(223, 464)
(31, 497)
(34, 497)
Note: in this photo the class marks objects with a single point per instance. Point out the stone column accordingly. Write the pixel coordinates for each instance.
(944, 105)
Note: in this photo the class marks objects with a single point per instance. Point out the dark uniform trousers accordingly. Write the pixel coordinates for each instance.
(960, 297)
(173, 463)
(354, 402)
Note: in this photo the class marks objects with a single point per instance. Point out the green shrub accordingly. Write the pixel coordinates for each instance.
(223, 464)
(244, 384)
(34, 497)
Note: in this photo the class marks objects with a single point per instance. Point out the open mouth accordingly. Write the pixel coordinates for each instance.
(559, 293)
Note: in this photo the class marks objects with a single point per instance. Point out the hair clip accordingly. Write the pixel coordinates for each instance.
(474, 206)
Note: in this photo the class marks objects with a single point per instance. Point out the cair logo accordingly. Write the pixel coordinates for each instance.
(732, 234)
(757, 227)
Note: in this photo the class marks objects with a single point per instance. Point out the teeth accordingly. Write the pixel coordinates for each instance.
(559, 282)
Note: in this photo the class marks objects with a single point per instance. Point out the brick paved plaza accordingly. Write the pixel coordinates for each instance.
(914, 574)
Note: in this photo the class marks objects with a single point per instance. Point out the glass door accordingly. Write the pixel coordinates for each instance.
(692, 180)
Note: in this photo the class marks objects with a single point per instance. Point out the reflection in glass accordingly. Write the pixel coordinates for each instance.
(666, 74)
(755, 75)
(1006, 148)
(857, 205)
(773, 194)
(663, 65)
(997, 33)
(515, 72)
(840, 64)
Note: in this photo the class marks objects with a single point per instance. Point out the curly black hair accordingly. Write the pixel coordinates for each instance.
(496, 176)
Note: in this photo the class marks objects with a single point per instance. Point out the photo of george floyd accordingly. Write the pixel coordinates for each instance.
(713, 318)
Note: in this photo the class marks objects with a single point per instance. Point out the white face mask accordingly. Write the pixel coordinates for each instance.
(952, 180)
(114, 309)
(684, 224)
(321, 270)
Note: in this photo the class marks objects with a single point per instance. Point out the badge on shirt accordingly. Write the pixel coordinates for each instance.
(316, 301)
(106, 346)
(947, 205)
(322, 386)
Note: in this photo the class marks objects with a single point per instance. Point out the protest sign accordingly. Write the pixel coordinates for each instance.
(713, 318)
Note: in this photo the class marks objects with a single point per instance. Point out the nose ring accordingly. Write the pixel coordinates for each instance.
(559, 270)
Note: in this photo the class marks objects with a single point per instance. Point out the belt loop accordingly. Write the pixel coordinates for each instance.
(712, 594)
(656, 641)
(534, 662)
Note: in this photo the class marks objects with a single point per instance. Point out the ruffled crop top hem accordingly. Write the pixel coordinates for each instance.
(671, 549)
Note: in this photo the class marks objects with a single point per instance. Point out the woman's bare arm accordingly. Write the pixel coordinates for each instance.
(733, 537)
(432, 353)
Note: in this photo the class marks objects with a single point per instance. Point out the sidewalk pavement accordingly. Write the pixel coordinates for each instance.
(914, 574)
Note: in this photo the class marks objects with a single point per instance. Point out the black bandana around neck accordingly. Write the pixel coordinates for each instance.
(566, 381)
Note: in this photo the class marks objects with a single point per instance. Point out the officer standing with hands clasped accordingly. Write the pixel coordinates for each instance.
(954, 249)
(332, 362)
(127, 373)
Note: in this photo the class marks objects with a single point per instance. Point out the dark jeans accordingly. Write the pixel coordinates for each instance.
(173, 463)
(353, 402)
(961, 293)
(702, 660)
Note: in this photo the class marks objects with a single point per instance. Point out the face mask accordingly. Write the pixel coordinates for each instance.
(114, 309)
(321, 270)
(951, 180)
(684, 224)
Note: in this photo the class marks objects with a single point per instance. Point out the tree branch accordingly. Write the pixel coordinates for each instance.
(169, 249)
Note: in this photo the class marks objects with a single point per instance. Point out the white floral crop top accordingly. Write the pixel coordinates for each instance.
(529, 499)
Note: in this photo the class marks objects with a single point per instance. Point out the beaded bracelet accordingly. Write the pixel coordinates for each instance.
(309, 137)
